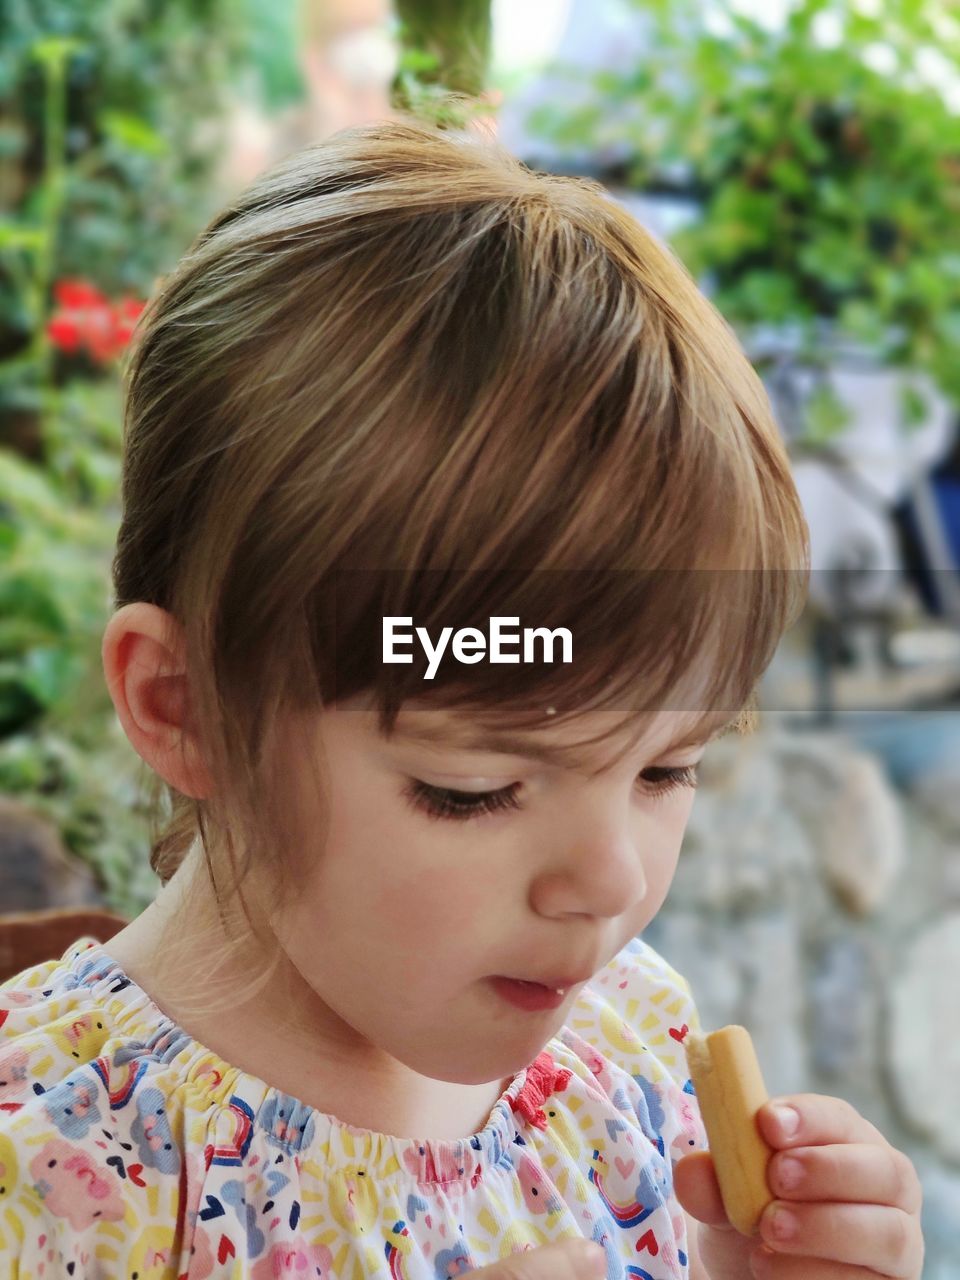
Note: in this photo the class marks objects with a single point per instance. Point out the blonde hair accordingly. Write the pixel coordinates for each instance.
(404, 374)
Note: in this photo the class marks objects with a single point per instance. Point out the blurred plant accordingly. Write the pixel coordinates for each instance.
(102, 163)
(828, 172)
(103, 182)
(86, 320)
(60, 748)
(444, 60)
(271, 49)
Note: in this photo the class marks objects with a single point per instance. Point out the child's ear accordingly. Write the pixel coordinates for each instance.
(144, 667)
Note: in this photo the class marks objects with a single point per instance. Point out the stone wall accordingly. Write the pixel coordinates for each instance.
(819, 906)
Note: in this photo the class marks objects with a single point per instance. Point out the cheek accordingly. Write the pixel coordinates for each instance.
(402, 875)
(664, 848)
(660, 875)
(445, 887)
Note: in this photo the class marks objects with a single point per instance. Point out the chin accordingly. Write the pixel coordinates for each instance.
(495, 1059)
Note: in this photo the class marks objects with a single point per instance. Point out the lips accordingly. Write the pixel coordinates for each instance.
(555, 984)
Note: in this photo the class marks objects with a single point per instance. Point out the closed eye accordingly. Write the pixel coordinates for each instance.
(460, 806)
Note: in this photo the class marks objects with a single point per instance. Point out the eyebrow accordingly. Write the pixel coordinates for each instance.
(518, 744)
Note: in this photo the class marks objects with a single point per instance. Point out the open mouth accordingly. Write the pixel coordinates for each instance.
(532, 996)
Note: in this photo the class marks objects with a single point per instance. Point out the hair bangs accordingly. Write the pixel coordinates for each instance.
(688, 641)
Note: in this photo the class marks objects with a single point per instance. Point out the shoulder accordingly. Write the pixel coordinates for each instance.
(75, 1159)
(50, 1023)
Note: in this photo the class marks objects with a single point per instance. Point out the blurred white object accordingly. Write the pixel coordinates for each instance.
(921, 648)
(249, 142)
(363, 57)
(877, 462)
(662, 215)
(599, 35)
(524, 35)
(348, 56)
(879, 447)
(847, 534)
(924, 1035)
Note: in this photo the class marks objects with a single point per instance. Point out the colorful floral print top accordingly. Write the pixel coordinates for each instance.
(129, 1151)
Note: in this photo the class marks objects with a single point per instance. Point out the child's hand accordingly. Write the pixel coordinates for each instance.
(854, 1203)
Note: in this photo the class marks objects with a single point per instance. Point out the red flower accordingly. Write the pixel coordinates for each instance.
(87, 319)
(543, 1078)
(125, 315)
(64, 332)
(77, 295)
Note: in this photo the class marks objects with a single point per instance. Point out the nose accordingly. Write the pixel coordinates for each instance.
(596, 865)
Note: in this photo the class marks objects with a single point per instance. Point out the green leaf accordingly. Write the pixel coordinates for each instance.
(48, 674)
(414, 60)
(27, 599)
(53, 51)
(766, 296)
(741, 220)
(133, 132)
(914, 407)
(9, 537)
(833, 259)
(21, 768)
(824, 414)
(790, 176)
(862, 321)
(16, 235)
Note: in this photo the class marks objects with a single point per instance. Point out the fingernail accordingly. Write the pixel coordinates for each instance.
(788, 1120)
(783, 1224)
(789, 1174)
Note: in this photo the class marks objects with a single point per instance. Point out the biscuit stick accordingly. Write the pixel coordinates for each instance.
(730, 1090)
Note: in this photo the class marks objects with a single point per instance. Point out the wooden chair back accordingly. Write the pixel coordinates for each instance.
(30, 937)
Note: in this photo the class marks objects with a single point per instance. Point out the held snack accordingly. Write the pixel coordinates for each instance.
(730, 1090)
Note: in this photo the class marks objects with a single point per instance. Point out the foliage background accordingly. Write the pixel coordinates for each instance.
(826, 165)
(830, 190)
(110, 117)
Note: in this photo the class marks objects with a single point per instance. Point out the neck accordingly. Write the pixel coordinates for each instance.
(278, 1028)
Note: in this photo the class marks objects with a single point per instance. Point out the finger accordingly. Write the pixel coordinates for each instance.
(695, 1186)
(854, 1173)
(765, 1265)
(719, 1243)
(561, 1260)
(877, 1237)
(811, 1119)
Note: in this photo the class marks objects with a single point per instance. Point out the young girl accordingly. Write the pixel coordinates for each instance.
(390, 1014)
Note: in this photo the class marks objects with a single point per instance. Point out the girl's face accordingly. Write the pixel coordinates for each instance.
(445, 865)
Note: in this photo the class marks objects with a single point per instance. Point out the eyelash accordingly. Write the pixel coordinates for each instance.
(461, 806)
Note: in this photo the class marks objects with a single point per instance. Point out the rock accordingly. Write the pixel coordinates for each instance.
(862, 849)
(772, 1001)
(743, 848)
(938, 793)
(790, 835)
(923, 1035)
(747, 973)
(695, 947)
(853, 816)
(843, 1010)
(36, 871)
(940, 1216)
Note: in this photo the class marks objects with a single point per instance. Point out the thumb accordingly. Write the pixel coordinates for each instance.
(695, 1186)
